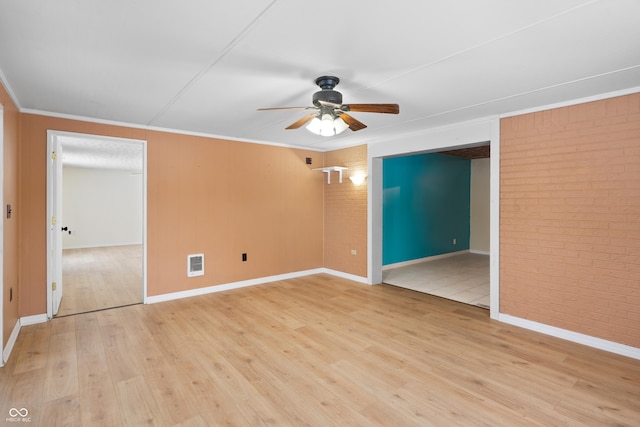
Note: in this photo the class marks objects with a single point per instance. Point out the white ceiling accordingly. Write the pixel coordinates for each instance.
(205, 66)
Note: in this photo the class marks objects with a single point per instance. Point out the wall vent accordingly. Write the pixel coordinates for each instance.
(195, 265)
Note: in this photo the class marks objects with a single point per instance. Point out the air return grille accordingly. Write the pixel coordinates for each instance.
(195, 265)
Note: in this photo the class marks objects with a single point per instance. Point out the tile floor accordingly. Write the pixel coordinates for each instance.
(463, 278)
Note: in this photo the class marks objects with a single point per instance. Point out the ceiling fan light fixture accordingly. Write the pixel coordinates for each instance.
(340, 125)
(326, 125)
(314, 126)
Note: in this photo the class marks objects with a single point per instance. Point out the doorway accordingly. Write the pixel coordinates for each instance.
(461, 135)
(96, 198)
(437, 224)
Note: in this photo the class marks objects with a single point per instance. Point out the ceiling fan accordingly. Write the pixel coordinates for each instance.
(330, 116)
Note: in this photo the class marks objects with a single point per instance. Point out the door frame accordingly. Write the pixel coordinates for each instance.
(459, 135)
(52, 140)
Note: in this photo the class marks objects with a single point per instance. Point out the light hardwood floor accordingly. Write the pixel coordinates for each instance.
(460, 277)
(318, 351)
(99, 278)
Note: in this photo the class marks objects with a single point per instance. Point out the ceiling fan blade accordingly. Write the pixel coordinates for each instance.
(303, 121)
(373, 108)
(354, 124)
(285, 108)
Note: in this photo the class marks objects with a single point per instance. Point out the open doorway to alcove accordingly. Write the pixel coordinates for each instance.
(436, 223)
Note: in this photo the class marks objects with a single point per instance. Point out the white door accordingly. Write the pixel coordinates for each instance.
(54, 201)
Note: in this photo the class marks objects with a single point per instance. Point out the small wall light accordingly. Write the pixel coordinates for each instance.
(358, 179)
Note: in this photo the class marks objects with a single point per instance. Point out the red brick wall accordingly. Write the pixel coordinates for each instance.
(570, 218)
(345, 213)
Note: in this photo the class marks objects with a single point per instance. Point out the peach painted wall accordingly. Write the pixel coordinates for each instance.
(345, 213)
(212, 196)
(33, 197)
(225, 198)
(570, 218)
(10, 189)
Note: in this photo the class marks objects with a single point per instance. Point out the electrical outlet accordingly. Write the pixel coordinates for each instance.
(244, 257)
(354, 252)
(309, 160)
(454, 241)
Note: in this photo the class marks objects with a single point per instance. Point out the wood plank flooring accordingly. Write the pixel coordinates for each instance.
(99, 278)
(314, 351)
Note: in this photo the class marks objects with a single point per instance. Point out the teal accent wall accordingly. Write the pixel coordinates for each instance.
(426, 204)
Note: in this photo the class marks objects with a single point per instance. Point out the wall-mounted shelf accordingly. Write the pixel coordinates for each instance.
(330, 169)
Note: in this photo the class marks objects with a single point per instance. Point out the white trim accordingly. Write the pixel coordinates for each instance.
(33, 320)
(347, 276)
(23, 321)
(49, 214)
(494, 221)
(102, 245)
(251, 282)
(167, 130)
(569, 103)
(7, 86)
(408, 135)
(51, 134)
(228, 286)
(474, 251)
(599, 343)
(94, 136)
(10, 343)
(425, 259)
(144, 222)
(459, 135)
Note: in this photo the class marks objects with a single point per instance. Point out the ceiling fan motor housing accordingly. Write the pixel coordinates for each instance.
(327, 95)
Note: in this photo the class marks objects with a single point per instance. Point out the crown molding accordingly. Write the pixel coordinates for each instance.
(161, 129)
(571, 102)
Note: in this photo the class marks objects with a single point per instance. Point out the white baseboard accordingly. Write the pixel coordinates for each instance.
(102, 245)
(251, 282)
(10, 343)
(348, 276)
(599, 343)
(228, 286)
(420, 260)
(32, 320)
(476, 251)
